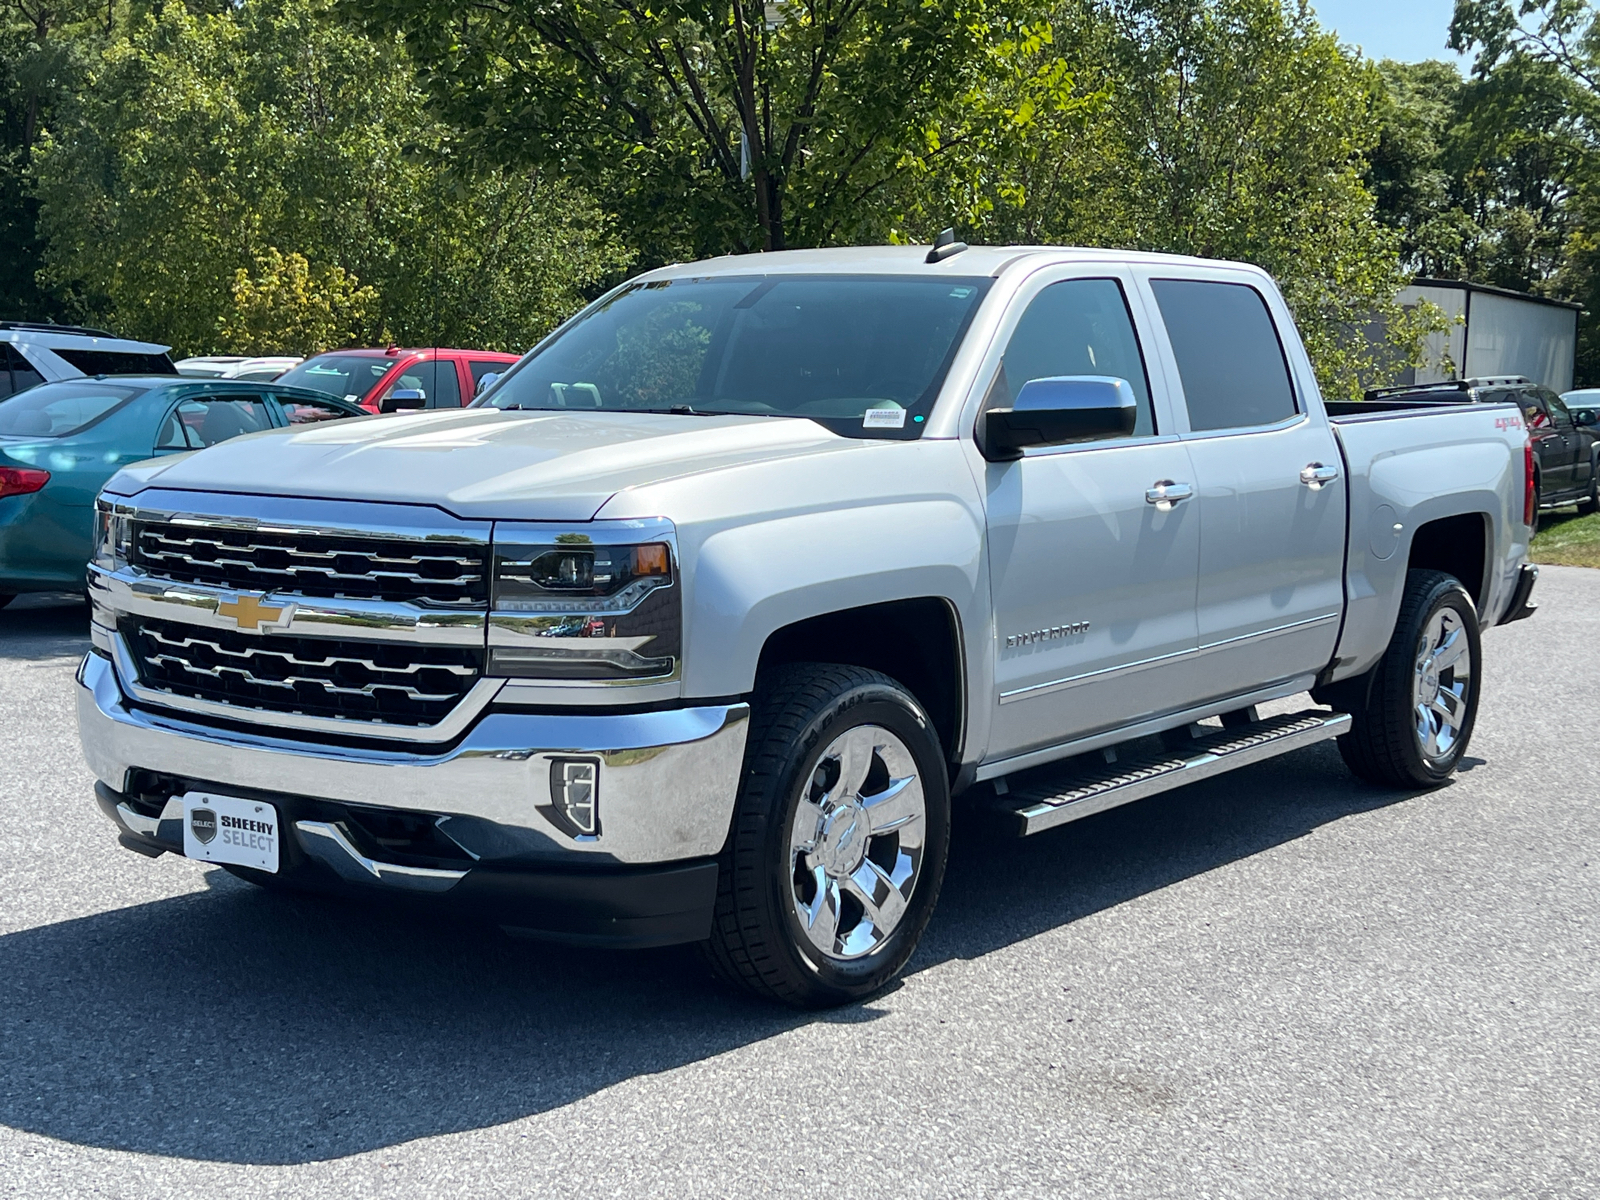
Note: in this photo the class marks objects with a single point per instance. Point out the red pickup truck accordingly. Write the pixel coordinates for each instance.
(370, 378)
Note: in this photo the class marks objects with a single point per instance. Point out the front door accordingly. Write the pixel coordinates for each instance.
(1092, 548)
(1271, 508)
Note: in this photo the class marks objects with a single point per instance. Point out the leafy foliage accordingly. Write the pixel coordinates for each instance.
(710, 125)
(204, 144)
(288, 308)
(1220, 128)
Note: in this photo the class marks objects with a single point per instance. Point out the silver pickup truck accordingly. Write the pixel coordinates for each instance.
(695, 624)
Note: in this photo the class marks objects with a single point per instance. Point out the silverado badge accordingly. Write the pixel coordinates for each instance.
(249, 613)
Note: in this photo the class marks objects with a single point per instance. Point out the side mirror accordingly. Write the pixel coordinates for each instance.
(487, 382)
(1585, 416)
(1056, 411)
(402, 398)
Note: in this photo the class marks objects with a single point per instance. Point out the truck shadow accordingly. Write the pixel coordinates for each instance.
(240, 1026)
(47, 625)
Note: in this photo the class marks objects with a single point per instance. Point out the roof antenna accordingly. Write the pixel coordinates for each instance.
(945, 246)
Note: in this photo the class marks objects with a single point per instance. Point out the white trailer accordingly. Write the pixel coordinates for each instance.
(1494, 331)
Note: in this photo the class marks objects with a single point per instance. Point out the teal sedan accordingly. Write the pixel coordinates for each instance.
(60, 442)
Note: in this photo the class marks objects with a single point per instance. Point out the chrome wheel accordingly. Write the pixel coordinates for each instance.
(1442, 684)
(856, 842)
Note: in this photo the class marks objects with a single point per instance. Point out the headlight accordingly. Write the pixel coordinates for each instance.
(577, 608)
(112, 532)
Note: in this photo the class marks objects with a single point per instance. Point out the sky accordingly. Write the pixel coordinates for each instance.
(1408, 30)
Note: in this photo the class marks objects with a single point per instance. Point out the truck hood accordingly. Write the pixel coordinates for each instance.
(483, 463)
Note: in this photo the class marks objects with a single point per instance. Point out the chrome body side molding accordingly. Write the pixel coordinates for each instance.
(1110, 737)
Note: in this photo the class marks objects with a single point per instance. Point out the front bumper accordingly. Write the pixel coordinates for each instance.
(666, 783)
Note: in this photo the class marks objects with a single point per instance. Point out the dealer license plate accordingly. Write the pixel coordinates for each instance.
(226, 829)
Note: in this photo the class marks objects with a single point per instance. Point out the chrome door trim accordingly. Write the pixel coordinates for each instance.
(1040, 689)
(1110, 737)
(461, 716)
(1275, 631)
(1055, 685)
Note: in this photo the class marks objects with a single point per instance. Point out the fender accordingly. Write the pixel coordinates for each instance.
(1412, 489)
(751, 580)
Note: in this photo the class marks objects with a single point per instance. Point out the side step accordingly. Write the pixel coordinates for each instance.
(1054, 799)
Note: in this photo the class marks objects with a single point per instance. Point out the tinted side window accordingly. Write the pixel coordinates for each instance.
(1533, 409)
(481, 367)
(1558, 410)
(1229, 358)
(446, 392)
(197, 423)
(435, 379)
(1076, 327)
(116, 362)
(16, 372)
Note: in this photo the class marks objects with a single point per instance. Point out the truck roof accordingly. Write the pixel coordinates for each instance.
(913, 260)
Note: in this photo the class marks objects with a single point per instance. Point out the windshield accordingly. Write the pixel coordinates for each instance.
(57, 409)
(863, 355)
(348, 376)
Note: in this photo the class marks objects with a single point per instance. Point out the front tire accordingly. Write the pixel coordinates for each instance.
(839, 838)
(1421, 701)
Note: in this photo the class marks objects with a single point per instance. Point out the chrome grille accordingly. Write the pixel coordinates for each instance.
(315, 564)
(400, 683)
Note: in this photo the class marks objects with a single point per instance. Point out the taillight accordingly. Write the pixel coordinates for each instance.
(19, 481)
(1530, 486)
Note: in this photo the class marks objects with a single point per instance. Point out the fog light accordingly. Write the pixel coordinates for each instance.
(575, 789)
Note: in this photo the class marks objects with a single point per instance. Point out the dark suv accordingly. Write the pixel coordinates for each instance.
(1565, 443)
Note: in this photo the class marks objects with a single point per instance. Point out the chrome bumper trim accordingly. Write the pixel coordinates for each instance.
(325, 841)
(472, 704)
(666, 787)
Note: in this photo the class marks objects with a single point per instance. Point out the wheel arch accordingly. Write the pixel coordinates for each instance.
(918, 642)
(1459, 545)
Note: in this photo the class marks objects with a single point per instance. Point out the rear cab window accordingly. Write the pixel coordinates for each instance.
(1230, 360)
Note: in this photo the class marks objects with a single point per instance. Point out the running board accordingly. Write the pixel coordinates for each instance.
(1067, 796)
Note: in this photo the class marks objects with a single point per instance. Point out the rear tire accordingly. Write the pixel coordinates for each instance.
(1421, 700)
(839, 838)
(1591, 502)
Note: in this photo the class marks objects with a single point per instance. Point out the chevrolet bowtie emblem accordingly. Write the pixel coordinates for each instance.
(250, 613)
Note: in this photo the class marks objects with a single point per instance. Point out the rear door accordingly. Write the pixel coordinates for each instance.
(1092, 572)
(1272, 497)
(1574, 464)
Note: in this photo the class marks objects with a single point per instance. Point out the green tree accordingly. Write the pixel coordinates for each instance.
(44, 45)
(1220, 128)
(1536, 74)
(205, 143)
(709, 125)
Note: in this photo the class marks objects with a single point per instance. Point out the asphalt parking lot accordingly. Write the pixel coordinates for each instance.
(1278, 983)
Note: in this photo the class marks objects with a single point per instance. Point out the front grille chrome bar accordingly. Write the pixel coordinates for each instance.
(460, 719)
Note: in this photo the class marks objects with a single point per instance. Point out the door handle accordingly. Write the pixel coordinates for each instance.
(1314, 475)
(1166, 493)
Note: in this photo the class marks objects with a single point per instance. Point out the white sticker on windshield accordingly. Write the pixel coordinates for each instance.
(884, 418)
